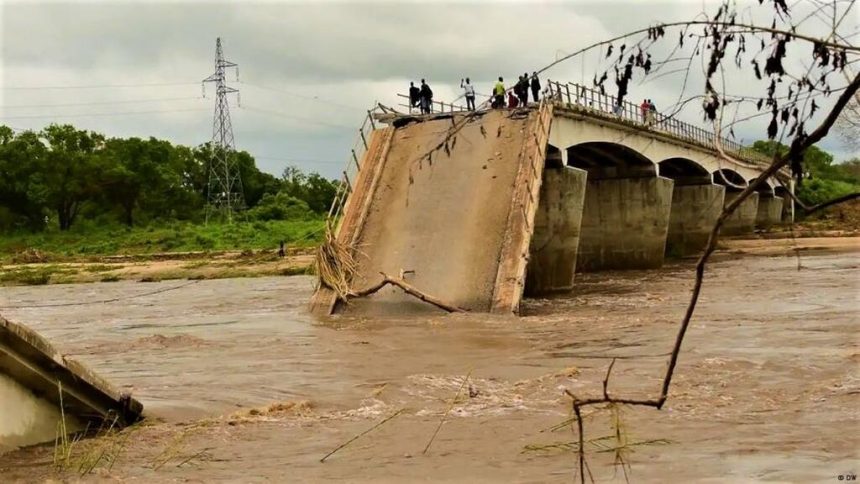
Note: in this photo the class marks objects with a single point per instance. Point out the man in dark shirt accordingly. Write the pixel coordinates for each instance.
(414, 94)
(535, 86)
(426, 98)
(523, 91)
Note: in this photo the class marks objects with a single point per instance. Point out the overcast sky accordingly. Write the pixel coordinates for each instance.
(307, 71)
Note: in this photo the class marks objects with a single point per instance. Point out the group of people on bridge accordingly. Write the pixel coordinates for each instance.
(422, 97)
(649, 112)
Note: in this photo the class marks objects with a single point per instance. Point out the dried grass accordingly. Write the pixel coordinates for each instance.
(334, 264)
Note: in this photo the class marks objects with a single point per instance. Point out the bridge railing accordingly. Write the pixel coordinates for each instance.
(605, 105)
(436, 106)
(353, 165)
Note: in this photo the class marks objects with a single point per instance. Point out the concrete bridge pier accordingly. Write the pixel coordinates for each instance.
(696, 205)
(626, 211)
(555, 242)
(769, 211)
(742, 220)
(787, 215)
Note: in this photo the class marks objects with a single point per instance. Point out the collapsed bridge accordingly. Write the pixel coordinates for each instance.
(480, 208)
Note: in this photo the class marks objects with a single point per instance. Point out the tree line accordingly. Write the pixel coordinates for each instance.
(823, 179)
(61, 175)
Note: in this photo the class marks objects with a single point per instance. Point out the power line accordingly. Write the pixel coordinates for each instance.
(86, 115)
(309, 98)
(300, 160)
(98, 103)
(291, 116)
(102, 86)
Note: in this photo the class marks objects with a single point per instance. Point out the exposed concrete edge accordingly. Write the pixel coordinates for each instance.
(324, 300)
(32, 361)
(514, 253)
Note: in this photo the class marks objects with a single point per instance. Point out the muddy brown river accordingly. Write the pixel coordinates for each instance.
(241, 384)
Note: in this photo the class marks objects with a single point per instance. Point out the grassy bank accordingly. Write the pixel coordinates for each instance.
(174, 237)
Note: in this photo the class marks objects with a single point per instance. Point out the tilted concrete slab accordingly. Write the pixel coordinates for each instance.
(456, 225)
(33, 363)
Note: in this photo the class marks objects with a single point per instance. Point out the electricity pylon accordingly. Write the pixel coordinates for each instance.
(224, 193)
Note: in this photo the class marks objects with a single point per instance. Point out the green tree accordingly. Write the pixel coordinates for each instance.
(68, 174)
(255, 183)
(826, 180)
(20, 158)
(315, 190)
(816, 162)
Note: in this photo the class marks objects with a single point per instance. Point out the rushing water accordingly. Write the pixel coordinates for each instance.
(766, 388)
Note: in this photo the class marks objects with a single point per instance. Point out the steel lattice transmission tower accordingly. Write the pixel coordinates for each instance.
(224, 191)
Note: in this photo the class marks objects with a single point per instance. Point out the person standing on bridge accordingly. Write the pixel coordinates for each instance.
(469, 91)
(513, 101)
(535, 84)
(426, 95)
(652, 113)
(644, 108)
(499, 94)
(523, 93)
(414, 96)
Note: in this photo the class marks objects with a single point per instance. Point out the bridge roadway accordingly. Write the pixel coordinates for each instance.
(612, 191)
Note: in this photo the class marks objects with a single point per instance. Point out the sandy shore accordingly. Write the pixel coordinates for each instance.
(191, 265)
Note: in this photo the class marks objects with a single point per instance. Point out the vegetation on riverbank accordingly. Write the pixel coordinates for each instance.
(90, 240)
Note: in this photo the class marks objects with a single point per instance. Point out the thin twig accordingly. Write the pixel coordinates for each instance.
(445, 415)
(341, 446)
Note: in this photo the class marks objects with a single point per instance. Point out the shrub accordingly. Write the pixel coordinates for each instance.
(820, 190)
(280, 207)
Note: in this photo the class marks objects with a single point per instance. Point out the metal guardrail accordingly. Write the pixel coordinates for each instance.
(596, 103)
(435, 106)
(353, 166)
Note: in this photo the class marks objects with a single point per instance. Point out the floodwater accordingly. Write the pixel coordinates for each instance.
(241, 384)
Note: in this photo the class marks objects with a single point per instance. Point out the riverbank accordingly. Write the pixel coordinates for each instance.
(159, 267)
(35, 268)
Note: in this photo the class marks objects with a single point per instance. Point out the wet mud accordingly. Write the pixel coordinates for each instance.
(241, 384)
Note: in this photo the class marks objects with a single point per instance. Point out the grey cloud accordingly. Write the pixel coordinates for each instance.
(348, 53)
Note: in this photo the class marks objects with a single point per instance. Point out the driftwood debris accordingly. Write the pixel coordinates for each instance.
(408, 289)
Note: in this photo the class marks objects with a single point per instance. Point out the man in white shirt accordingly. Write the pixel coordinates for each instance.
(469, 90)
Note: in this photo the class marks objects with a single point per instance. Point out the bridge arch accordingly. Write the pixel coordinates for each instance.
(732, 180)
(684, 171)
(766, 188)
(606, 160)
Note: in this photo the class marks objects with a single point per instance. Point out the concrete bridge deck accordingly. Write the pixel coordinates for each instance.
(39, 388)
(517, 205)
